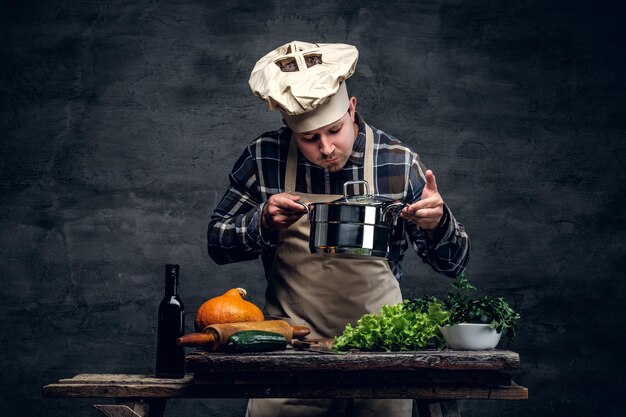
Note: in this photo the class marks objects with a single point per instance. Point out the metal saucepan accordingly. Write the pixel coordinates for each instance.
(353, 225)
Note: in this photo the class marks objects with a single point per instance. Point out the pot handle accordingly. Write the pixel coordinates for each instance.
(365, 185)
(306, 207)
(397, 207)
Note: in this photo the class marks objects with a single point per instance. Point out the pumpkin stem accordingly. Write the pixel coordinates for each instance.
(242, 292)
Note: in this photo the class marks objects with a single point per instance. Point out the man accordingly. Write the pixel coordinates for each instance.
(324, 144)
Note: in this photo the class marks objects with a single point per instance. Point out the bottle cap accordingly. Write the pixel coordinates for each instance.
(171, 271)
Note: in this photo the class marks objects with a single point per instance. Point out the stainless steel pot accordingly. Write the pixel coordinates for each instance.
(353, 225)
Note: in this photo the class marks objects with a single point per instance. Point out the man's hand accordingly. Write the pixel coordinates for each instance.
(281, 211)
(428, 211)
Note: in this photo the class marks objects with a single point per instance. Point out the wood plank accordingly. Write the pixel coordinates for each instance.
(117, 410)
(154, 407)
(116, 391)
(118, 386)
(423, 377)
(205, 362)
(512, 392)
(365, 392)
(125, 378)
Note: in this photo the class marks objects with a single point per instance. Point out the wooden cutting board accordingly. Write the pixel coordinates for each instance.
(322, 344)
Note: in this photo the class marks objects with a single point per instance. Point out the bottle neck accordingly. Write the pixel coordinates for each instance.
(171, 280)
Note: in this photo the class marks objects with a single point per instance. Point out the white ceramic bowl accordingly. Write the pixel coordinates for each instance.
(470, 336)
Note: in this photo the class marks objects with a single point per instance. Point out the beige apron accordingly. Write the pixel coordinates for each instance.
(325, 293)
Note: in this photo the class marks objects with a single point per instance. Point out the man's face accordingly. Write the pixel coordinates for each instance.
(330, 146)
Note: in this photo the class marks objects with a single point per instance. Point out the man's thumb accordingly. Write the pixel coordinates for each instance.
(431, 183)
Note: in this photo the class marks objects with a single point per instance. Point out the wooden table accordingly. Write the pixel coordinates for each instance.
(436, 379)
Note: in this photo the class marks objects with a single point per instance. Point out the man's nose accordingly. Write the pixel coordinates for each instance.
(326, 145)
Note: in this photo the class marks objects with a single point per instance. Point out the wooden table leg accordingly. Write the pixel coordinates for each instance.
(154, 407)
(444, 408)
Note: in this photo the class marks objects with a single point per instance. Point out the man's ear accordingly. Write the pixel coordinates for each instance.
(353, 107)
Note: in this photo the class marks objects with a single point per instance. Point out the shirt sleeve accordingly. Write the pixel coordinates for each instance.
(446, 248)
(234, 233)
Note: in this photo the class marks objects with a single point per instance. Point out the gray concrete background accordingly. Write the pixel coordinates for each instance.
(120, 120)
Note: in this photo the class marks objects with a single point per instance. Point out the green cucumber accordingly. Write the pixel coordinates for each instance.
(255, 341)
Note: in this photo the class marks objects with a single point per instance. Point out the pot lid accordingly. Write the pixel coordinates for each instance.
(364, 200)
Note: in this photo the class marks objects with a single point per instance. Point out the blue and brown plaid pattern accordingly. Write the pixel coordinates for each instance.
(234, 229)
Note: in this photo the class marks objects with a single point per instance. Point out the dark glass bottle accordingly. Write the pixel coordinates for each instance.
(170, 361)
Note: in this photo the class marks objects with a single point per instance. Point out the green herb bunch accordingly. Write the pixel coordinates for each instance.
(398, 327)
(464, 308)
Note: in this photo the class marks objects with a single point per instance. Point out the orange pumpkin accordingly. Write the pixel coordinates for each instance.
(229, 307)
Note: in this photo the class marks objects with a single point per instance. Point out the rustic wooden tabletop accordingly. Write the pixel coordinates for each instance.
(434, 378)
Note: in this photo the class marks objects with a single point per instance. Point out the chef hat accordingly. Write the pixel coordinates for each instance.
(306, 82)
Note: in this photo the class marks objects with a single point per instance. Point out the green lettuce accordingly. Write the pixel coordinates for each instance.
(398, 327)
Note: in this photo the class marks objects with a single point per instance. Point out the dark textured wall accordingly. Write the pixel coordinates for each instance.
(120, 120)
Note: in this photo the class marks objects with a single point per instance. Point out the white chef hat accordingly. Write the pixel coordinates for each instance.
(306, 82)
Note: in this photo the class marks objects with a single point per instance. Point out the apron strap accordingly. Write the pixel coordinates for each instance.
(291, 168)
(368, 163)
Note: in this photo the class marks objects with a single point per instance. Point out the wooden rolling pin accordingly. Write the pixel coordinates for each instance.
(216, 335)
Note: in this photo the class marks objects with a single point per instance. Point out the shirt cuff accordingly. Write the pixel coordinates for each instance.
(443, 231)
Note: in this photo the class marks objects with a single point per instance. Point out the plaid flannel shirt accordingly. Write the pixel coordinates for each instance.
(234, 232)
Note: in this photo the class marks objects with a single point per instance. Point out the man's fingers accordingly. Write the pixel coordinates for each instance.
(431, 182)
(288, 203)
(424, 212)
(296, 211)
(284, 219)
(285, 203)
(428, 202)
(428, 212)
(289, 210)
(282, 210)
